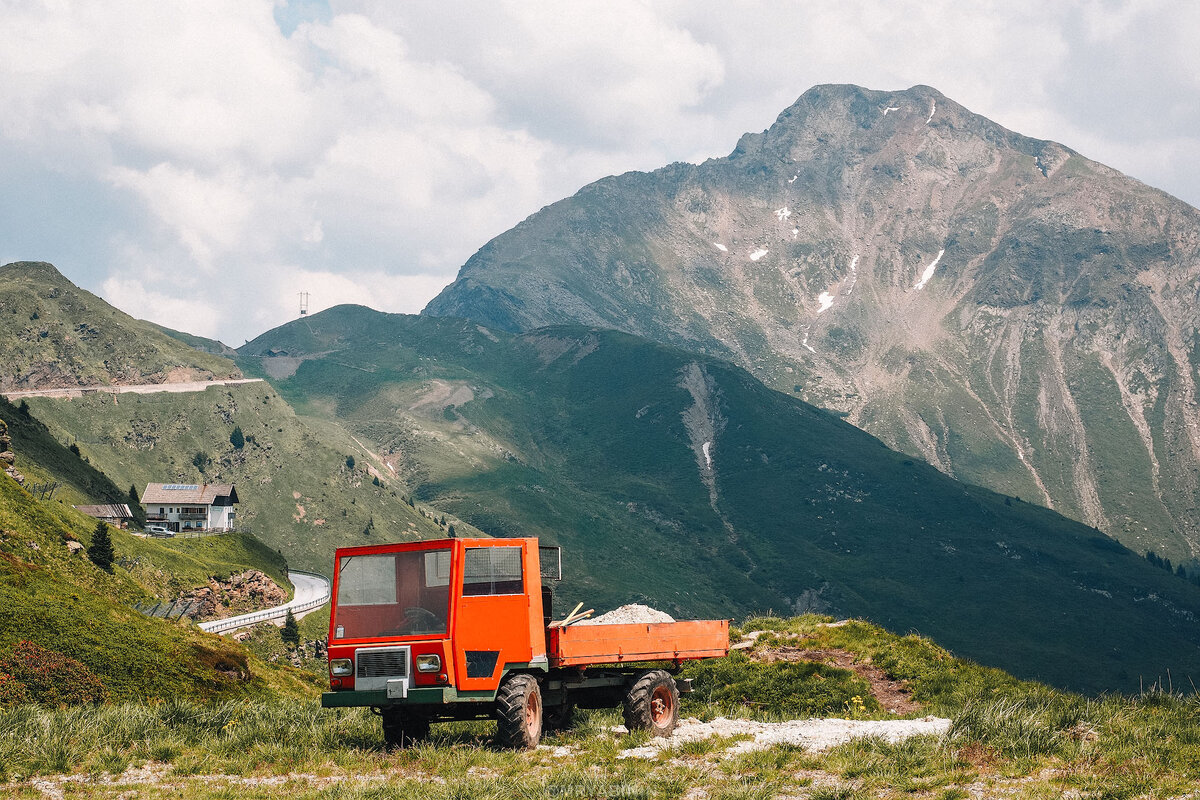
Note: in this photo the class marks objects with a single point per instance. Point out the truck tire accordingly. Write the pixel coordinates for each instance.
(403, 730)
(519, 713)
(652, 703)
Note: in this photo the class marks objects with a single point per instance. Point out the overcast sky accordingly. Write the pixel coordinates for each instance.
(201, 163)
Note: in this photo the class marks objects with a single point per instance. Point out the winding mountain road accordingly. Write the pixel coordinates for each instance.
(312, 592)
(136, 388)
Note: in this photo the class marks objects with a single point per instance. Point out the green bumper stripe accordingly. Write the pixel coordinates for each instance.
(416, 697)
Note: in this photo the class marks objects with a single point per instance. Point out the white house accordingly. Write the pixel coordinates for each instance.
(187, 507)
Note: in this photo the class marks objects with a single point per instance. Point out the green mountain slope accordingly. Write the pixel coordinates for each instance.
(61, 602)
(1000, 306)
(54, 334)
(297, 492)
(682, 481)
(162, 568)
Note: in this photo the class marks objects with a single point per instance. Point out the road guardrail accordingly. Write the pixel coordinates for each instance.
(269, 614)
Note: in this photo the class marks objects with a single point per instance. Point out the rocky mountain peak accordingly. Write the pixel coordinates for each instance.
(1012, 312)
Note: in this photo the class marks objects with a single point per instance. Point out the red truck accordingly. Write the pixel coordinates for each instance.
(455, 629)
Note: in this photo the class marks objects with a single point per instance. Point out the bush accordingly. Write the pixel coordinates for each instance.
(237, 439)
(12, 691)
(47, 677)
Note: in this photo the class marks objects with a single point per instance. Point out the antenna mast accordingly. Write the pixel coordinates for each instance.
(303, 303)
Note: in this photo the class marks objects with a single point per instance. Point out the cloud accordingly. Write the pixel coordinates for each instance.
(185, 312)
(221, 155)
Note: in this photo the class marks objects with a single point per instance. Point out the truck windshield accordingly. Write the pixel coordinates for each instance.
(393, 594)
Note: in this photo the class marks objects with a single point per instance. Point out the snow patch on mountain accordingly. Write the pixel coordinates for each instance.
(928, 273)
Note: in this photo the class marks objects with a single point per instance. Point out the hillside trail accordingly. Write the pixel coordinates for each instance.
(133, 388)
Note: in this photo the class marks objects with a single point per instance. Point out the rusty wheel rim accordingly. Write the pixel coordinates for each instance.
(533, 712)
(661, 705)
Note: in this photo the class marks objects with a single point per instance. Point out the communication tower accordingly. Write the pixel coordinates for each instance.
(303, 303)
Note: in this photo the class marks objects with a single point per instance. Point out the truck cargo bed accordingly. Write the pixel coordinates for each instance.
(586, 645)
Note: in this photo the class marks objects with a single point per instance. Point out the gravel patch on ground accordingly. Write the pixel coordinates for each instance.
(812, 734)
(634, 612)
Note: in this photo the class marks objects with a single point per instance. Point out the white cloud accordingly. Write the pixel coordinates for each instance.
(214, 154)
(186, 312)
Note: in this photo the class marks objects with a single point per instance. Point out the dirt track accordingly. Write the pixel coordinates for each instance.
(136, 388)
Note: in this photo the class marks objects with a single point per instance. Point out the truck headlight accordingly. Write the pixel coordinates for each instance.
(341, 667)
(430, 662)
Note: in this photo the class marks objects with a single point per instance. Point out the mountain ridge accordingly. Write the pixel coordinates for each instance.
(1000, 306)
(55, 335)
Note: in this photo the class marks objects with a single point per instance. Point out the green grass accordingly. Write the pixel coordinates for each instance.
(1008, 738)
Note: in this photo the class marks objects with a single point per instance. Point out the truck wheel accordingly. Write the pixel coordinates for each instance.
(403, 730)
(652, 703)
(519, 713)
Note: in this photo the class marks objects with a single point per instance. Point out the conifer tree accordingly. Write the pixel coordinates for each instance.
(135, 507)
(290, 633)
(101, 550)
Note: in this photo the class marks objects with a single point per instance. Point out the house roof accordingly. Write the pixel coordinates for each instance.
(184, 493)
(111, 511)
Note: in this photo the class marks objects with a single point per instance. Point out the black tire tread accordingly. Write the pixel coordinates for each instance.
(636, 710)
(510, 713)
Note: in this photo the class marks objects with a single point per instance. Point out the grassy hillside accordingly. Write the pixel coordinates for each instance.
(1006, 738)
(54, 334)
(69, 607)
(683, 482)
(298, 492)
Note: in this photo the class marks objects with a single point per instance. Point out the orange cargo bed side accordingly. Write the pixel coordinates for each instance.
(585, 645)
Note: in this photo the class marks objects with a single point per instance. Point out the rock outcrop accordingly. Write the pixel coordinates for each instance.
(7, 459)
(246, 591)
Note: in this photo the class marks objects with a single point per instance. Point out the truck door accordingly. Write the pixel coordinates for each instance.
(493, 624)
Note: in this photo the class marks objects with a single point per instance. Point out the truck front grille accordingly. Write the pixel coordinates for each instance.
(382, 663)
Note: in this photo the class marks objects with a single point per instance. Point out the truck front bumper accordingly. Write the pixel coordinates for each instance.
(433, 696)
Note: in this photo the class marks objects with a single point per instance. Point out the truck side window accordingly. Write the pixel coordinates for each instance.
(492, 570)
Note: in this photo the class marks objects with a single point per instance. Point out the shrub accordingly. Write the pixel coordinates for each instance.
(237, 439)
(12, 691)
(49, 677)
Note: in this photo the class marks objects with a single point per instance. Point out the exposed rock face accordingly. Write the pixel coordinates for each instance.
(247, 591)
(1002, 307)
(7, 459)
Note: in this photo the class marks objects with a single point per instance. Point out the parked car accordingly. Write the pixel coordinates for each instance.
(158, 530)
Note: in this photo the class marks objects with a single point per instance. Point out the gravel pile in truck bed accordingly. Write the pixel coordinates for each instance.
(633, 612)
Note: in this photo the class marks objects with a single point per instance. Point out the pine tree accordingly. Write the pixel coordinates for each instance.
(236, 438)
(135, 507)
(290, 633)
(101, 550)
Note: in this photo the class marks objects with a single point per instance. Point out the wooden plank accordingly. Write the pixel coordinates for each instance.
(584, 645)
